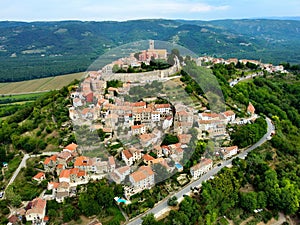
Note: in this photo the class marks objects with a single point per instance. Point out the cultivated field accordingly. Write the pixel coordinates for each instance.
(39, 85)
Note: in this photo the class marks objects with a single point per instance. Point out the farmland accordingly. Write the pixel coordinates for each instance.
(38, 85)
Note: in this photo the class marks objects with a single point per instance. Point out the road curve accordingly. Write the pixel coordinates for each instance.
(163, 205)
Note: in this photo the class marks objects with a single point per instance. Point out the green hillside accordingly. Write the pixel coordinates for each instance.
(43, 49)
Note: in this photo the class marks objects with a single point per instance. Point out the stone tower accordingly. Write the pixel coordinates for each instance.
(151, 44)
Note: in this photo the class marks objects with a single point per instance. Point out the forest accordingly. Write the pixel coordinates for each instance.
(43, 49)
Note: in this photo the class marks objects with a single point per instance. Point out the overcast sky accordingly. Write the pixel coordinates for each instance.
(120, 10)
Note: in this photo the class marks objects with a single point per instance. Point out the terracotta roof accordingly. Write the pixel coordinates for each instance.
(60, 166)
(64, 174)
(111, 160)
(81, 173)
(141, 110)
(71, 147)
(204, 162)
(142, 173)
(137, 126)
(231, 148)
(160, 106)
(212, 115)
(251, 108)
(53, 184)
(147, 157)
(138, 104)
(83, 161)
(123, 169)
(51, 158)
(38, 206)
(228, 113)
(64, 155)
(127, 153)
(39, 176)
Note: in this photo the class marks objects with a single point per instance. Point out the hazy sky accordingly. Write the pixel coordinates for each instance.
(40, 10)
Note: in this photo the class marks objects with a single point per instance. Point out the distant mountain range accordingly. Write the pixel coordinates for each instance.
(39, 49)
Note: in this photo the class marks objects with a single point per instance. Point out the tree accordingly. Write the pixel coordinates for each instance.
(149, 219)
(172, 201)
(170, 139)
(248, 201)
(13, 198)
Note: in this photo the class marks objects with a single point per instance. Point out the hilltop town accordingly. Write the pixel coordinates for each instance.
(136, 138)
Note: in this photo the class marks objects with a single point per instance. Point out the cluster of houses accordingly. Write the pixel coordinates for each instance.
(146, 122)
(264, 66)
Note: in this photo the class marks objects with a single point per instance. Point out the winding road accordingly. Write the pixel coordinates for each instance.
(163, 205)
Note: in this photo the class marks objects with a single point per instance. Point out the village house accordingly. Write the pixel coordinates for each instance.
(201, 168)
(50, 163)
(131, 155)
(164, 110)
(250, 109)
(71, 148)
(229, 151)
(147, 159)
(229, 115)
(73, 176)
(92, 165)
(36, 210)
(120, 174)
(142, 178)
(155, 116)
(111, 164)
(39, 177)
(138, 129)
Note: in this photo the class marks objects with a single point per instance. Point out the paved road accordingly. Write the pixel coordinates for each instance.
(163, 205)
(23, 164)
(236, 81)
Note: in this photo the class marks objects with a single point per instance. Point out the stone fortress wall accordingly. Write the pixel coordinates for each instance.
(107, 74)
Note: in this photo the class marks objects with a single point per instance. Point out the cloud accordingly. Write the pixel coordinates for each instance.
(208, 8)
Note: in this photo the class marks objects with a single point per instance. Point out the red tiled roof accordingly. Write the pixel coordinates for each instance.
(71, 147)
(39, 176)
(51, 158)
(138, 104)
(37, 206)
(64, 174)
(231, 148)
(228, 113)
(142, 173)
(160, 106)
(212, 115)
(251, 108)
(127, 154)
(137, 126)
(147, 157)
(82, 161)
(204, 162)
(111, 160)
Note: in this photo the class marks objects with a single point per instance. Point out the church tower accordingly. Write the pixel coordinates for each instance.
(151, 44)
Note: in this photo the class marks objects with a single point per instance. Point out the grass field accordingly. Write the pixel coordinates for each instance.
(38, 85)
